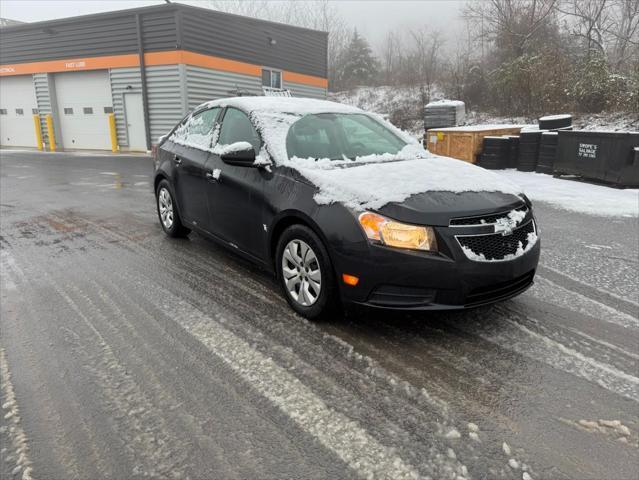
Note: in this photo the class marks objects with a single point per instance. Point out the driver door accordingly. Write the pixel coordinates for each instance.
(190, 149)
(235, 193)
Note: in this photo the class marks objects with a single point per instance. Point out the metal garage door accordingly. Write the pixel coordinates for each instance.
(84, 102)
(17, 105)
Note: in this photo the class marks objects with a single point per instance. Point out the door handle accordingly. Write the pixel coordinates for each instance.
(211, 177)
(177, 160)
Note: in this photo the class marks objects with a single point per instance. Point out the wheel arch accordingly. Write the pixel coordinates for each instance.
(285, 220)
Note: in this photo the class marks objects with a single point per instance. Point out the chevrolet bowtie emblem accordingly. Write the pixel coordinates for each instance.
(505, 226)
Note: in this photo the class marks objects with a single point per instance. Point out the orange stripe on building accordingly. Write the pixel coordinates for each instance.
(172, 57)
(71, 65)
(305, 79)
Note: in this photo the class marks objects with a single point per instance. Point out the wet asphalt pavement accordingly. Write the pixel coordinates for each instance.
(126, 354)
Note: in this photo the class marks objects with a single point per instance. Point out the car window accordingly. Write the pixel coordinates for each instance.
(236, 127)
(340, 136)
(197, 131)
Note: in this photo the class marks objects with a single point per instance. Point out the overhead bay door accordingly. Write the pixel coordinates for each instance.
(17, 105)
(84, 102)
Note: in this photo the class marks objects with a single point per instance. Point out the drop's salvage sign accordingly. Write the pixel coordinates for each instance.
(588, 150)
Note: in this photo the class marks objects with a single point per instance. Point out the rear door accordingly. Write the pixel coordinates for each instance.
(190, 147)
(235, 194)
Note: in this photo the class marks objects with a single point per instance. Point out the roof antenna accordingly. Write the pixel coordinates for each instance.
(168, 1)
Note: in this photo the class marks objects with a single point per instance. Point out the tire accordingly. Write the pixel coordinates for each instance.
(295, 268)
(554, 122)
(168, 214)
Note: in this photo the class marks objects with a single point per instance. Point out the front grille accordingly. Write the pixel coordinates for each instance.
(482, 219)
(496, 246)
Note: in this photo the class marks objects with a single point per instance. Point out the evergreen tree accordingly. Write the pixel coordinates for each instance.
(360, 67)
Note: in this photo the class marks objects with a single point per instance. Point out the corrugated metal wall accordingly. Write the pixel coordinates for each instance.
(301, 90)
(110, 35)
(159, 31)
(203, 84)
(249, 40)
(123, 80)
(165, 99)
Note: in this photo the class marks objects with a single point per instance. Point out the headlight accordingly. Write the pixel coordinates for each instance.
(395, 234)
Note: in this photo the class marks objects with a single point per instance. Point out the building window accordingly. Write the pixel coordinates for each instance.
(88, 110)
(34, 111)
(68, 111)
(108, 109)
(271, 78)
(3, 111)
(19, 111)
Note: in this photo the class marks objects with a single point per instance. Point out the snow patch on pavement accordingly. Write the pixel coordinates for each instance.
(17, 438)
(576, 196)
(611, 428)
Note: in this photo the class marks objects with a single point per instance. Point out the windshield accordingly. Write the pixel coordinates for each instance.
(339, 136)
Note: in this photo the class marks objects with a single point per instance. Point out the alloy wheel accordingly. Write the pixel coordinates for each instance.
(165, 205)
(301, 272)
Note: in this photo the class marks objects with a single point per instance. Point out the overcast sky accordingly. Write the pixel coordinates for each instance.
(373, 18)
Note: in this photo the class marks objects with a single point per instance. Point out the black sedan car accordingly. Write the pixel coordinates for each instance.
(343, 207)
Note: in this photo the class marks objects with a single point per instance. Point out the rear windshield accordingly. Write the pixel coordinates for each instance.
(340, 136)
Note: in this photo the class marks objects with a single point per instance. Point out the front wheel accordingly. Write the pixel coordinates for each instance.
(167, 212)
(305, 273)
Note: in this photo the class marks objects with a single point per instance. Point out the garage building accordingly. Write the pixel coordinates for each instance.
(147, 67)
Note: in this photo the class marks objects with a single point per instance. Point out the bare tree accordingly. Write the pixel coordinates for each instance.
(625, 30)
(426, 53)
(590, 22)
(513, 23)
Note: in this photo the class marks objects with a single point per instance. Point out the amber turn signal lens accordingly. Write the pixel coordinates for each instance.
(372, 224)
(351, 280)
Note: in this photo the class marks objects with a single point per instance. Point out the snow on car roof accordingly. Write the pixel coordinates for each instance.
(299, 106)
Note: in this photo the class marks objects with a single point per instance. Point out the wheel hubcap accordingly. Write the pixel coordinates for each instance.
(165, 206)
(301, 272)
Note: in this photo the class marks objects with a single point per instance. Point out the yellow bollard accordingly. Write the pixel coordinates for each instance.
(114, 134)
(50, 133)
(38, 130)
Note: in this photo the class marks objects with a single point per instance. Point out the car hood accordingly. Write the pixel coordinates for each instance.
(438, 208)
(432, 189)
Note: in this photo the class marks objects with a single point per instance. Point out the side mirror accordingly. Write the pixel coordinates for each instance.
(241, 154)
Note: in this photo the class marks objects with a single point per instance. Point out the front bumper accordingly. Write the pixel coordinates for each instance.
(392, 278)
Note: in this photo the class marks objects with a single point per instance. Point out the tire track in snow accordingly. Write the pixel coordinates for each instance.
(632, 305)
(541, 348)
(549, 291)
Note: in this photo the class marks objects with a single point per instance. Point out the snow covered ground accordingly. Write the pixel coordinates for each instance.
(575, 195)
(402, 105)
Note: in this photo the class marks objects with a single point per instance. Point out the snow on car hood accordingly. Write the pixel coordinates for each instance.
(366, 182)
(371, 185)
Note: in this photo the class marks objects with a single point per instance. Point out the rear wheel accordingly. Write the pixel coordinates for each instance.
(305, 273)
(167, 212)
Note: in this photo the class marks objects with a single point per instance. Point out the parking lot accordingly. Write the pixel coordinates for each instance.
(127, 354)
